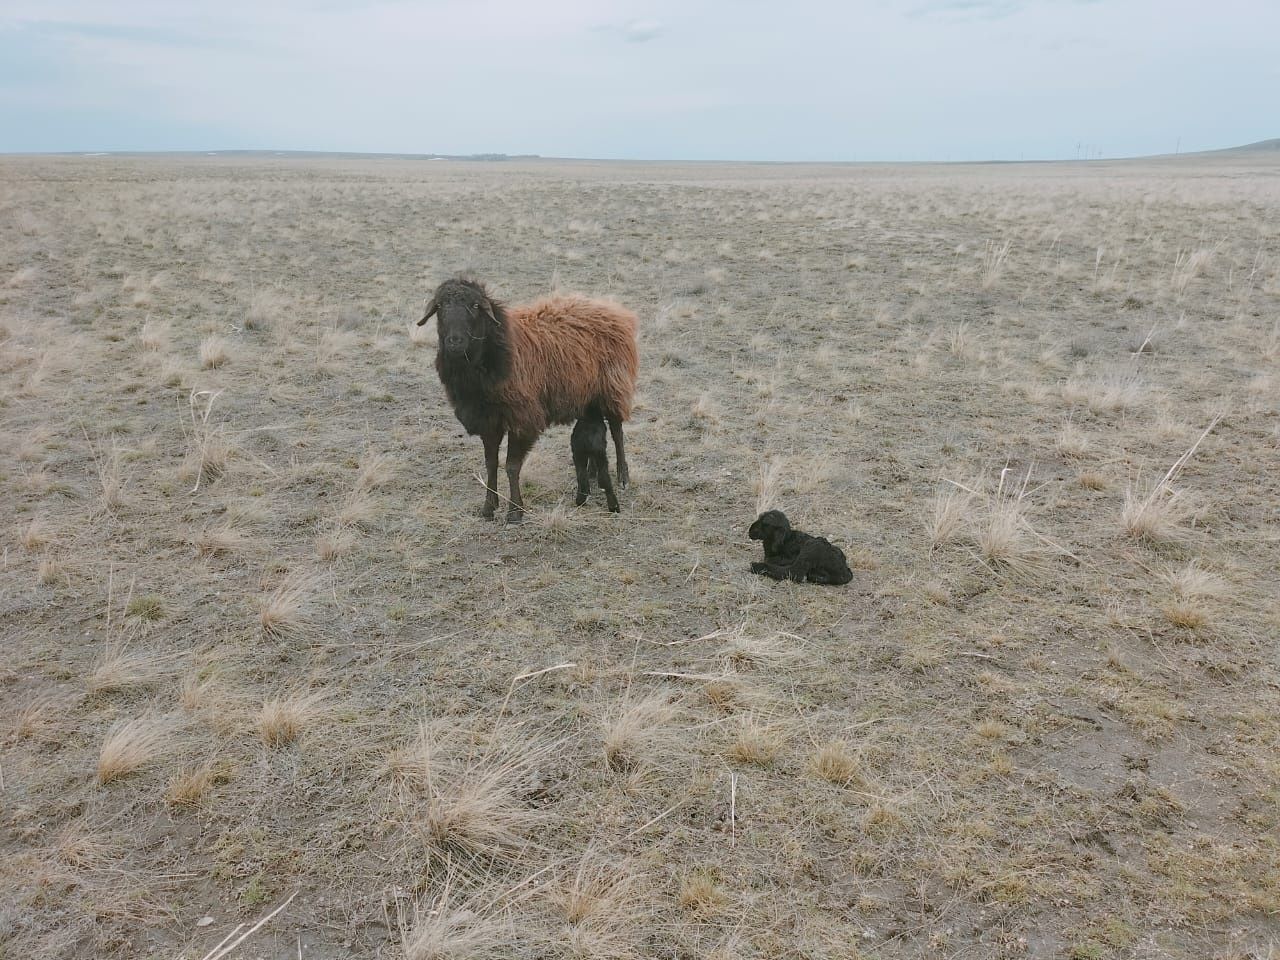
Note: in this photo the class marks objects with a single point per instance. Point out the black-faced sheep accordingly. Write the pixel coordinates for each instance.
(591, 458)
(512, 371)
(792, 555)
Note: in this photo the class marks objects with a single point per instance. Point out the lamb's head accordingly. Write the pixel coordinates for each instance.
(467, 317)
(770, 524)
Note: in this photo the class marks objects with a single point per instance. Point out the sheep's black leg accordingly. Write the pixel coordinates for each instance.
(774, 571)
(580, 464)
(602, 469)
(517, 449)
(492, 441)
(615, 428)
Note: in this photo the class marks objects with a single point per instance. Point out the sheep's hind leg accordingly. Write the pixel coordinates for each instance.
(492, 441)
(517, 449)
(615, 428)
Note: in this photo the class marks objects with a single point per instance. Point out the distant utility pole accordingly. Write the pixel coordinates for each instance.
(1178, 149)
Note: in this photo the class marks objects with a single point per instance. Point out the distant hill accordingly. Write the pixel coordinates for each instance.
(1262, 146)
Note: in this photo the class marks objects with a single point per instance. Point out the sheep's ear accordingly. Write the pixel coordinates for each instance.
(487, 308)
(431, 308)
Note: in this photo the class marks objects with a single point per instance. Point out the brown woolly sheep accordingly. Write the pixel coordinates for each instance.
(514, 371)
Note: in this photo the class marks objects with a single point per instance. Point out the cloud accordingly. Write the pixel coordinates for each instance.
(969, 9)
(642, 31)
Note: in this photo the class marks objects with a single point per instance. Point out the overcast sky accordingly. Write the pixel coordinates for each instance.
(651, 79)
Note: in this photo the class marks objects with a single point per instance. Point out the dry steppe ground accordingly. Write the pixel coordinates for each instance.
(259, 649)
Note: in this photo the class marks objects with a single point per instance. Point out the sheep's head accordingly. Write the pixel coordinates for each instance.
(770, 524)
(466, 317)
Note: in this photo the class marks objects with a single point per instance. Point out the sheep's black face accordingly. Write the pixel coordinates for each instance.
(769, 523)
(464, 315)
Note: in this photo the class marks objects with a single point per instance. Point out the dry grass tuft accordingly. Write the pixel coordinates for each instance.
(214, 352)
(208, 449)
(1192, 582)
(466, 804)
(34, 535)
(1071, 441)
(756, 742)
(1160, 515)
(131, 745)
(357, 509)
(111, 477)
(76, 846)
(333, 544)
(1001, 528)
(744, 649)
(446, 928)
(993, 262)
(1187, 614)
(701, 893)
(641, 731)
(835, 762)
(119, 668)
(286, 611)
(284, 719)
(1092, 480)
(706, 410)
(376, 470)
(217, 539)
(951, 507)
(1117, 389)
(605, 908)
(767, 485)
(188, 786)
(49, 571)
(154, 336)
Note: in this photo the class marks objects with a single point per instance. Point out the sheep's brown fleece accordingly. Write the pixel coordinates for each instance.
(567, 352)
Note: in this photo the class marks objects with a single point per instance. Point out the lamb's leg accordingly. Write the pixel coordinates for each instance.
(602, 471)
(774, 571)
(517, 449)
(615, 428)
(584, 483)
(492, 441)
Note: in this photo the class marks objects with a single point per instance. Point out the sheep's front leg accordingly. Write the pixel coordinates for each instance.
(517, 449)
(492, 441)
(624, 474)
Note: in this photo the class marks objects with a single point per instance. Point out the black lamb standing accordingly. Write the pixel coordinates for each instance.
(792, 555)
(591, 457)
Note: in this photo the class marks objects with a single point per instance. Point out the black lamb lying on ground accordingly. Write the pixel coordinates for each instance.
(591, 457)
(792, 555)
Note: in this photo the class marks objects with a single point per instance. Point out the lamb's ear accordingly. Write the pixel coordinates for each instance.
(487, 308)
(431, 308)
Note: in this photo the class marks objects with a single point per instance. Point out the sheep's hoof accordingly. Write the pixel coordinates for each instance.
(486, 512)
(624, 478)
(515, 516)
(580, 499)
